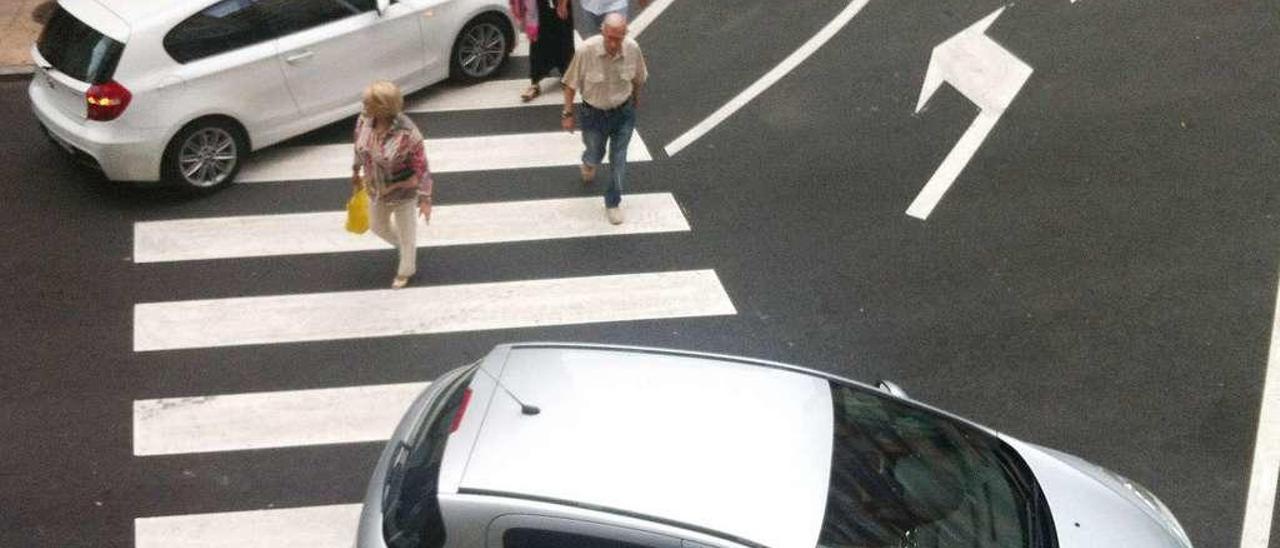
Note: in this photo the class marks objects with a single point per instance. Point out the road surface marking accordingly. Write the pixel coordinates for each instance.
(952, 165)
(1260, 503)
(451, 225)
(646, 17)
(423, 310)
(989, 76)
(332, 526)
(770, 78)
(484, 95)
(235, 422)
(459, 154)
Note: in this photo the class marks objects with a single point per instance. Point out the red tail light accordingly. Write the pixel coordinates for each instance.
(462, 410)
(107, 101)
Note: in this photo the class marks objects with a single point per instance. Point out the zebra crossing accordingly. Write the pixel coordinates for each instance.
(218, 423)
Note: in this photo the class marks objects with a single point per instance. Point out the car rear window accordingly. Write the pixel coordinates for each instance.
(904, 476)
(78, 50)
(410, 506)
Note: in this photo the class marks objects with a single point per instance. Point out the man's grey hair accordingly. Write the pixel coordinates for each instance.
(615, 20)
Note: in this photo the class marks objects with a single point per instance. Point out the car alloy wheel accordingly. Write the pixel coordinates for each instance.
(208, 157)
(482, 48)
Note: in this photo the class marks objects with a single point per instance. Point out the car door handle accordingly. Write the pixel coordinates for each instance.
(300, 56)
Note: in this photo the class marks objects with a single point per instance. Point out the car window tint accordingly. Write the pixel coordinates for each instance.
(904, 475)
(222, 27)
(523, 537)
(411, 515)
(77, 49)
(290, 16)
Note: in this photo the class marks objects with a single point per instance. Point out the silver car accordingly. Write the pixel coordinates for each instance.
(569, 445)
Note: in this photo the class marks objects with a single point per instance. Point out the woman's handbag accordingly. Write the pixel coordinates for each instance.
(358, 212)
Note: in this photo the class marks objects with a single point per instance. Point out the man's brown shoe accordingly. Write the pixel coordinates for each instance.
(588, 173)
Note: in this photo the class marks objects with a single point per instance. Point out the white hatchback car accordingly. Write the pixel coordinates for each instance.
(182, 90)
(587, 446)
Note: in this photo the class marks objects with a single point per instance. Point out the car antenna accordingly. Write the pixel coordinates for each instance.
(525, 409)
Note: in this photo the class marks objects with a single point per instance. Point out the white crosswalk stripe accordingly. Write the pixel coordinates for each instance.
(458, 154)
(522, 46)
(332, 526)
(423, 310)
(451, 225)
(484, 95)
(293, 418)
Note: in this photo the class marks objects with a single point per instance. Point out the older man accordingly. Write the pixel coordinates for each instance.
(609, 71)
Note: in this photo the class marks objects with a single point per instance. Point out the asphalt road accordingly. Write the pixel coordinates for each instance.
(1100, 279)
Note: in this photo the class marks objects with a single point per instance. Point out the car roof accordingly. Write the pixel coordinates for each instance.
(707, 443)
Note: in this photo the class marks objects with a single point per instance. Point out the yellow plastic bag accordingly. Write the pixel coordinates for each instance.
(358, 212)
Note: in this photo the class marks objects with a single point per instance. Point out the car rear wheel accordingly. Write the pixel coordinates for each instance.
(481, 48)
(206, 155)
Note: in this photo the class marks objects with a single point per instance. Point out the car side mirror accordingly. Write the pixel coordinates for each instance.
(892, 389)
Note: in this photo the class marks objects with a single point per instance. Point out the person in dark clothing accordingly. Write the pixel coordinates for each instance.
(549, 26)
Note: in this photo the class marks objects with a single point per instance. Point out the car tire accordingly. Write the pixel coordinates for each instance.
(481, 48)
(205, 155)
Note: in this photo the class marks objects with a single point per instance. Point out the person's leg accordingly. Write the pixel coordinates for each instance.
(592, 127)
(380, 222)
(622, 124)
(542, 53)
(407, 232)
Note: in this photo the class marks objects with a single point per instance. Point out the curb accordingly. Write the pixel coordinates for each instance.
(16, 73)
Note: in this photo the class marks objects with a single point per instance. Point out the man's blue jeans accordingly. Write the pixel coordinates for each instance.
(613, 127)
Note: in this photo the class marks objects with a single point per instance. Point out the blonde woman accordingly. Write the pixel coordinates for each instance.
(391, 164)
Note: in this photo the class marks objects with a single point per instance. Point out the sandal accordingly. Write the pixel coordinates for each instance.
(400, 281)
(530, 93)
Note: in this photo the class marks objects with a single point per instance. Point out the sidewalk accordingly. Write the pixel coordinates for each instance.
(18, 30)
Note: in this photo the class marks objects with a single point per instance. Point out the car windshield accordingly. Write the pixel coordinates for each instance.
(77, 49)
(903, 476)
(411, 509)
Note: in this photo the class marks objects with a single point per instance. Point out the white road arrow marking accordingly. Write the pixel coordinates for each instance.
(989, 76)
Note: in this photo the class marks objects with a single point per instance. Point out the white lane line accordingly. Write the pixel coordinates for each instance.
(422, 310)
(485, 153)
(953, 164)
(331, 526)
(1260, 507)
(770, 78)
(236, 422)
(642, 21)
(484, 95)
(451, 225)
(522, 45)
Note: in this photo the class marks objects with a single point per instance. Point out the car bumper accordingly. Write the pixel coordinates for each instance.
(119, 152)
